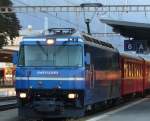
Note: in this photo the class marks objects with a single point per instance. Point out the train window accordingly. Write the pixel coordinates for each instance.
(129, 69)
(149, 71)
(132, 70)
(135, 70)
(42, 55)
(138, 70)
(141, 70)
(125, 70)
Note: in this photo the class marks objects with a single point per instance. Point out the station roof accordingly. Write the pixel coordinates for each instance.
(139, 31)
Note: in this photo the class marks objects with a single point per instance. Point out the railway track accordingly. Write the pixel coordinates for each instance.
(7, 103)
(7, 98)
(8, 106)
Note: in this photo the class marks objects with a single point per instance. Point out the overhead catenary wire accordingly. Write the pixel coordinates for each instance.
(20, 2)
(68, 1)
(65, 20)
(120, 6)
(56, 16)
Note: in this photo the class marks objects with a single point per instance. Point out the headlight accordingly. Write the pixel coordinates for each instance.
(22, 95)
(50, 41)
(72, 95)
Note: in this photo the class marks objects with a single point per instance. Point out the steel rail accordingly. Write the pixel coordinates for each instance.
(8, 106)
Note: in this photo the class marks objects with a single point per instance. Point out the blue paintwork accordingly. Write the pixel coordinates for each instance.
(102, 93)
(63, 71)
(69, 42)
(15, 57)
(49, 84)
(92, 95)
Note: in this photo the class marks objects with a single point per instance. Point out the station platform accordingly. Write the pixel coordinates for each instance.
(7, 92)
(134, 111)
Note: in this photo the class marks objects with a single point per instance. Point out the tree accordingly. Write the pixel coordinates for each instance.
(9, 24)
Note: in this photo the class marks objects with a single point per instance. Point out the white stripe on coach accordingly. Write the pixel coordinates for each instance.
(50, 78)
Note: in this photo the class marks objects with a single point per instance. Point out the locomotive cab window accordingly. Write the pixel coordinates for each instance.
(42, 55)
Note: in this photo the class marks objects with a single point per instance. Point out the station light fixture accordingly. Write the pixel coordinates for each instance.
(22, 95)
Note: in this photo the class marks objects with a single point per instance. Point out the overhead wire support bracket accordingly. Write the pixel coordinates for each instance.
(92, 8)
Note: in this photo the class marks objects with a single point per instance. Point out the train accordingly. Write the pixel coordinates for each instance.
(64, 74)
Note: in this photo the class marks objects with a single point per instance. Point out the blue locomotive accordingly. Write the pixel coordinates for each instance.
(64, 74)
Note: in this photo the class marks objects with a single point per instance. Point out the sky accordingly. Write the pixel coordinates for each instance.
(37, 19)
(76, 20)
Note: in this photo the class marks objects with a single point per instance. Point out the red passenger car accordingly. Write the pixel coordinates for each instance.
(132, 75)
(147, 76)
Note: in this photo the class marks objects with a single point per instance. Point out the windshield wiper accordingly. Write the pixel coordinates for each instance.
(42, 48)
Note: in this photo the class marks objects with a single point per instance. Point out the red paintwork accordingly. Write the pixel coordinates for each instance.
(147, 76)
(132, 84)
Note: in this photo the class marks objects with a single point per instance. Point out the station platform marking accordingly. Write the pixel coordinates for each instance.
(98, 118)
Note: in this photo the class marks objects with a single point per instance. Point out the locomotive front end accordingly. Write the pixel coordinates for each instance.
(50, 78)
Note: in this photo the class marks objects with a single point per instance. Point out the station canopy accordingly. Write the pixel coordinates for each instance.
(138, 31)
